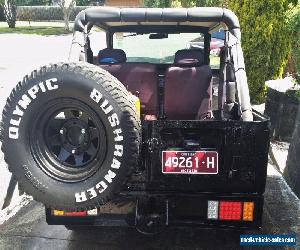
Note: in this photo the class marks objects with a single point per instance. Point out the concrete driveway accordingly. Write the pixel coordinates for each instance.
(21, 54)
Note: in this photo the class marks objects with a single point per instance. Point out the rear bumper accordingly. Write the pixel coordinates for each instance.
(166, 210)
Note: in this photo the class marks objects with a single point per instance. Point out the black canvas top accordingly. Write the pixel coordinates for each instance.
(107, 17)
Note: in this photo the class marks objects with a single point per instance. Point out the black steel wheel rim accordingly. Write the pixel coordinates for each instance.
(68, 140)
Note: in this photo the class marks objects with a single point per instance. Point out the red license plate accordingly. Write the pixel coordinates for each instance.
(190, 162)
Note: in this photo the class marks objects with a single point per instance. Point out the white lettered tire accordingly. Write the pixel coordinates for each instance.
(70, 134)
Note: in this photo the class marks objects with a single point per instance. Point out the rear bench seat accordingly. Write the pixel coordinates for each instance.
(138, 78)
(188, 88)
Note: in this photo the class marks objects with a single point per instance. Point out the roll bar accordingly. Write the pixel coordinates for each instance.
(103, 16)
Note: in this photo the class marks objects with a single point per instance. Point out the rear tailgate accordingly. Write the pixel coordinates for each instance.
(240, 148)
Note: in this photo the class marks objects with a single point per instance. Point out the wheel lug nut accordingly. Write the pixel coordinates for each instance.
(73, 151)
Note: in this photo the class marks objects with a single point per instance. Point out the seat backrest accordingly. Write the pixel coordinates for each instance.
(138, 78)
(188, 88)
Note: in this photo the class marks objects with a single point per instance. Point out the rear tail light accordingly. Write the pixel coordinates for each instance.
(212, 210)
(93, 212)
(248, 211)
(58, 213)
(84, 213)
(230, 210)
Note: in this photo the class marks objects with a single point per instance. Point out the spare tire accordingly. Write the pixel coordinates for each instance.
(70, 135)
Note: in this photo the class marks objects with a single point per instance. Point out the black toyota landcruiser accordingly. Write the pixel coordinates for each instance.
(152, 130)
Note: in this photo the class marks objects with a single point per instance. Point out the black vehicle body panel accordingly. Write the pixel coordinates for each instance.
(178, 210)
(181, 200)
(242, 147)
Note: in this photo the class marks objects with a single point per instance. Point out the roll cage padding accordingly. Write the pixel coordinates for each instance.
(101, 15)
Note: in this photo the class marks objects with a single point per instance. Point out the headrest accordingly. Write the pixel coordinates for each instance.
(111, 56)
(189, 57)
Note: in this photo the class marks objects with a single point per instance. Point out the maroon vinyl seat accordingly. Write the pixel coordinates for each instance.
(188, 88)
(138, 78)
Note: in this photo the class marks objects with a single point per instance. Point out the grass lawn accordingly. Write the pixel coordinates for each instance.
(35, 30)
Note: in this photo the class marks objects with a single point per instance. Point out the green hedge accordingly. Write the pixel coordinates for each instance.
(266, 40)
(294, 21)
(157, 3)
(33, 2)
(44, 13)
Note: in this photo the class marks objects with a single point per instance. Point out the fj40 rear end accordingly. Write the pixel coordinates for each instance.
(146, 132)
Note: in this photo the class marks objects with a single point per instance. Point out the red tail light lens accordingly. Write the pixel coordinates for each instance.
(230, 210)
(84, 213)
(92, 212)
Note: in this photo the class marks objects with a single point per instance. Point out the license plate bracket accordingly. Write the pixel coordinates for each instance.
(190, 162)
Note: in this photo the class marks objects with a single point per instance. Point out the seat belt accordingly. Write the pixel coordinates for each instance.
(161, 96)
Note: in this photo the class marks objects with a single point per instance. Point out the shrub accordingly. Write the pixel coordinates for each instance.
(182, 3)
(90, 2)
(83, 2)
(266, 41)
(294, 23)
(44, 13)
(33, 2)
(157, 3)
(207, 3)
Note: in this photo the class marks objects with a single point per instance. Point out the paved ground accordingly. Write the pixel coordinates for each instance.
(28, 229)
(20, 55)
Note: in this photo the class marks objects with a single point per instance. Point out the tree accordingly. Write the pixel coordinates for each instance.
(10, 12)
(67, 7)
(294, 23)
(266, 40)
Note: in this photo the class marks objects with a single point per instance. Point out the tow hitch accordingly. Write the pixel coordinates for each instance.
(151, 215)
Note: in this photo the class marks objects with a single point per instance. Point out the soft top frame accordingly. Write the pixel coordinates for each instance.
(113, 19)
(101, 15)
